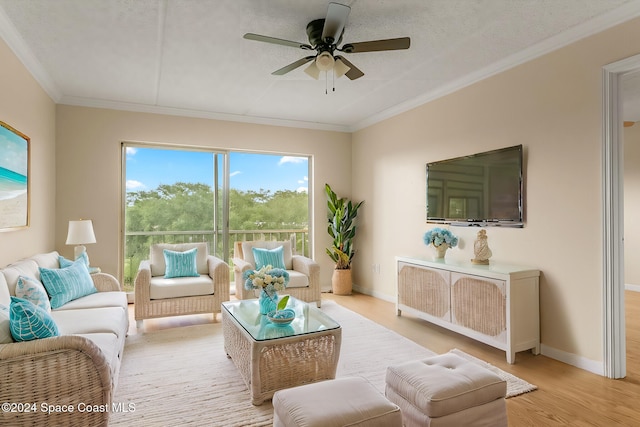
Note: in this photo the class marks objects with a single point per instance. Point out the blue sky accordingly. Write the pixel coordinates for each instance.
(147, 168)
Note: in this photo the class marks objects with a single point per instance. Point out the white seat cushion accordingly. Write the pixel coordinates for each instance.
(161, 288)
(99, 299)
(108, 344)
(297, 280)
(95, 320)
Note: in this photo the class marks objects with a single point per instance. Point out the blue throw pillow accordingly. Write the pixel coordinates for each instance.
(272, 257)
(66, 284)
(180, 264)
(30, 322)
(64, 263)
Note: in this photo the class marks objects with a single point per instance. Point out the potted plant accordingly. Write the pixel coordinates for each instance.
(342, 229)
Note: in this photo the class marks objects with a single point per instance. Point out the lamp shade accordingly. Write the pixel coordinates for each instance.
(80, 232)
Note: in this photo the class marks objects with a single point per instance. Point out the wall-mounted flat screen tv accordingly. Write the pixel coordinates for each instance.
(484, 189)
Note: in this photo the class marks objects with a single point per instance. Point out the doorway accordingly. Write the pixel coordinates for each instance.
(614, 330)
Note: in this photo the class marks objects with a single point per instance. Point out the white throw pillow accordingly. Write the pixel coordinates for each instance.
(5, 329)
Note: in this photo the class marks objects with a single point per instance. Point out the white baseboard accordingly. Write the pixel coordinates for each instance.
(384, 297)
(573, 360)
(630, 287)
(593, 366)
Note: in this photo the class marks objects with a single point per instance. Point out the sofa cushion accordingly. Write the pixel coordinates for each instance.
(64, 262)
(5, 296)
(47, 260)
(96, 300)
(156, 256)
(180, 264)
(32, 290)
(247, 251)
(273, 257)
(108, 344)
(27, 267)
(5, 329)
(66, 284)
(161, 288)
(29, 322)
(94, 320)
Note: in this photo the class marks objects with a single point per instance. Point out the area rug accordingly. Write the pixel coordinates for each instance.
(515, 386)
(182, 376)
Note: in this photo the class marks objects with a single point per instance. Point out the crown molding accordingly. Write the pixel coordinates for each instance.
(16, 43)
(618, 16)
(185, 112)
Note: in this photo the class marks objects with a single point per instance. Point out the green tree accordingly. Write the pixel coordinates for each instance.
(189, 207)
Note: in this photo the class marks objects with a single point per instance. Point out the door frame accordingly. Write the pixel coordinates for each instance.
(614, 328)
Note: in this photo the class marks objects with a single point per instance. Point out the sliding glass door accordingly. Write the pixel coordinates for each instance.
(178, 195)
(172, 196)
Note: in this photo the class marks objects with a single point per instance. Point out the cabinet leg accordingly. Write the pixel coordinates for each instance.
(511, 357)
(398, 312)
(536, 350)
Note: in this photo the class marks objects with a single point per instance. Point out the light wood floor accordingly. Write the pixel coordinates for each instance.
(566, 396)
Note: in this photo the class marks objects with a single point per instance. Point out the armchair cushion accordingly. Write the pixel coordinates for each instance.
(66, 284)
(247, 251)
(29, 322)
(159, 266)
(162, 288)
(273, 257)
(180, 264)
(296, 280)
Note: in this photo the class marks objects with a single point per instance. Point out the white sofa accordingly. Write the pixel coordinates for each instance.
(76, 370)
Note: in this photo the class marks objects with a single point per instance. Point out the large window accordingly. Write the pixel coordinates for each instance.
(177, 195)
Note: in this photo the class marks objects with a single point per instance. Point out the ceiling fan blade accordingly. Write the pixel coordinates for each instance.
(335, 22)
(274, 40)
(293, 66)
(354, 72)
(377, 45)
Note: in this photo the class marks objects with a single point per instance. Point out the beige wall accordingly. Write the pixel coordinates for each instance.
(89, 167)
(27, 108)
(551, 105)
(632, 205)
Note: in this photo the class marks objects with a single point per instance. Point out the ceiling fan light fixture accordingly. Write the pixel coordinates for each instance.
(313, 71)
(325, 61)
(340, 68)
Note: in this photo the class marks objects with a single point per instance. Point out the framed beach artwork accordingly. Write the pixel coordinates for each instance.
(14, 178)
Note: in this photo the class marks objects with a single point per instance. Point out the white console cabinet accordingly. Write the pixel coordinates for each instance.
(495, 304)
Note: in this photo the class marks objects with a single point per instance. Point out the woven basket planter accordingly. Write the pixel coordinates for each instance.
(341, 283)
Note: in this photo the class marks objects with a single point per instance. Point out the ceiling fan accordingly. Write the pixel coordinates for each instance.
(325, 35)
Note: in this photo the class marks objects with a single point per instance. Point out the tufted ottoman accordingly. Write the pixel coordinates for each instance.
(334, 403)
(447, 390)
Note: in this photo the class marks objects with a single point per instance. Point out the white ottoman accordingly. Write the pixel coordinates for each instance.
(334, 403)
(447, 390)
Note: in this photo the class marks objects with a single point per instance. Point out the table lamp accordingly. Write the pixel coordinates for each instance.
(80, 233)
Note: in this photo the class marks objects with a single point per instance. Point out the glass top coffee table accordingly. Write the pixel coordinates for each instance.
(271, 357)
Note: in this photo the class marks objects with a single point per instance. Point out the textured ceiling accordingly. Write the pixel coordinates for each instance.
(188, 57)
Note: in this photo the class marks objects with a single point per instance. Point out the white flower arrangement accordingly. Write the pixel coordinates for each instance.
(267, 278)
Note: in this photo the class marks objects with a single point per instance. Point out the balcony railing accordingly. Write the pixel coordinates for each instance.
(137, 244)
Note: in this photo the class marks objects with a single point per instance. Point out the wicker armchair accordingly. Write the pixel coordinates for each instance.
(304, 272)
(157, 296)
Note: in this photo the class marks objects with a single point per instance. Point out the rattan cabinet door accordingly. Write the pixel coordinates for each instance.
(424, 289)
(480, 304)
